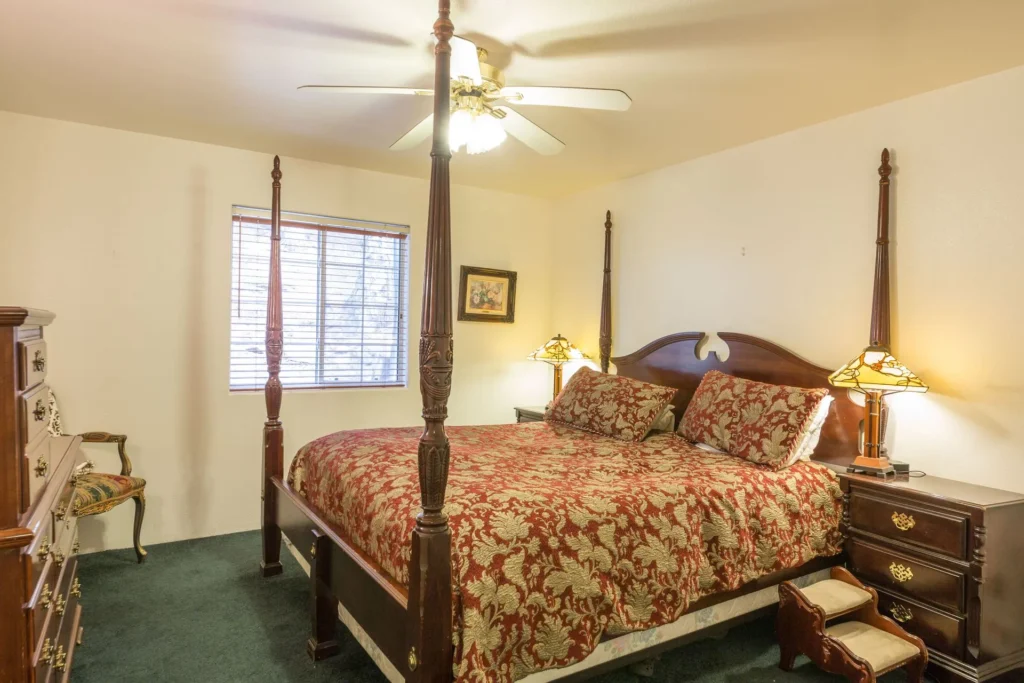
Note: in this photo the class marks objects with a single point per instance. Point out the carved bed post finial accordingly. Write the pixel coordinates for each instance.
(880, 301)
(430, 586)
(605, 342)
(273, 432)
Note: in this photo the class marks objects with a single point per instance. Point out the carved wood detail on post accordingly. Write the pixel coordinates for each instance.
(880, 331)
(273, 432)
(605, 341)
(430, 588)
(880, 299)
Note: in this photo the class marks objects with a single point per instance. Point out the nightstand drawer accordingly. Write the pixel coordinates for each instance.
(945, 533)
(938, 630)
(905, 574)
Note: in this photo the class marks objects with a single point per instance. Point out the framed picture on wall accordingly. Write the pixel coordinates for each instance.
(487, 295)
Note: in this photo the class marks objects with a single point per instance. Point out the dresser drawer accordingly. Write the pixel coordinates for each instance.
(42, 599)
(943, 532)
(906, 574)
(40, 465)
(55, 614)
(39, 552)
(35, 413)
(938, 630)
(32, 362)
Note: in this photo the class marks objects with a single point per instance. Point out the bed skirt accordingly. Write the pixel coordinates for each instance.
(608, 650)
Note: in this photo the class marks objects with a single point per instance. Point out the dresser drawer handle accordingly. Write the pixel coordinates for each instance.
(44, 596)
(61, 512)
(903, 521)
(44, 550)
(901, 613)
(40, 411)
(900, 572)
(60, 661)
(38, 362)
(76, 588)
(58, 605)
(41, 467)
(46, 654)
(58, 558)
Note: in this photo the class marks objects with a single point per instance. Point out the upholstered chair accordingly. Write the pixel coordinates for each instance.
(97, 492)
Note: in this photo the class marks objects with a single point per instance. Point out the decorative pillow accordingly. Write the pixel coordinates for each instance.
(762, 423)
(813, 436)
(614, 406)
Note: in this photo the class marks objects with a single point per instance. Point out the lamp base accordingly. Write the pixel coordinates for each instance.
(878, 467)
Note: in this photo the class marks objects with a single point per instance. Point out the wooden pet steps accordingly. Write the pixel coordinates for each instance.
(861, 645)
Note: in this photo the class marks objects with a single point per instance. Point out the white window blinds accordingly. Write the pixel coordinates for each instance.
(344, 291)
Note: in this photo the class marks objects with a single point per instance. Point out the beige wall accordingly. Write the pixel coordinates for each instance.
(127, 238)
(776, 239)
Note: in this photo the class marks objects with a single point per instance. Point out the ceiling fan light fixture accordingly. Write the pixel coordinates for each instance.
(478, 133)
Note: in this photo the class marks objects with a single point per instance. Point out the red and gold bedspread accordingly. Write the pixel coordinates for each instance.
(560, 536)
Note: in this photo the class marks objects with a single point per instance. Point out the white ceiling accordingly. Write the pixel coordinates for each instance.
(704, 75)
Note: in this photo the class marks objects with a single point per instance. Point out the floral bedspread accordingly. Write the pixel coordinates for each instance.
(560, 536)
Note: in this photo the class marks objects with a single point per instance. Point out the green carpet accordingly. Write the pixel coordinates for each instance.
(198, 612)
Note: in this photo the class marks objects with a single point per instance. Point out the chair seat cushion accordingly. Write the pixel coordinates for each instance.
(99, 492)
(835, 597)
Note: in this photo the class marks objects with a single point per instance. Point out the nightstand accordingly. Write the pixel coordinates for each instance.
(530, 413)
(946, 559)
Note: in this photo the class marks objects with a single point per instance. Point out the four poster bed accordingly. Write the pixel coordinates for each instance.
(519, 574)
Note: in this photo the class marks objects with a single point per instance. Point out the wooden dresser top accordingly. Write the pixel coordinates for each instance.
(948, 489)
(15, 316)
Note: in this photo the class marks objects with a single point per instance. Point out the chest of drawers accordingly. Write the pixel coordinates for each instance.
(947, 559)
(40, 618)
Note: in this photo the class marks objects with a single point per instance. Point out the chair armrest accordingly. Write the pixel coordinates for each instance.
(119, 439)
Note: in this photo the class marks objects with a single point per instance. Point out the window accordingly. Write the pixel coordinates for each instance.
(344, 293)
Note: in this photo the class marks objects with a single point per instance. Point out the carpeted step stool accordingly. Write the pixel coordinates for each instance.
(836, 623)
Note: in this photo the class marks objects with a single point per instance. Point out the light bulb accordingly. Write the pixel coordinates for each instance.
(460, 129)
(488, 133)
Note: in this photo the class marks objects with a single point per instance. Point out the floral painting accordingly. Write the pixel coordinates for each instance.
(487, 295)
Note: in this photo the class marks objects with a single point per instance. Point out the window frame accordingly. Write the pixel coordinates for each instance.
(324, 225)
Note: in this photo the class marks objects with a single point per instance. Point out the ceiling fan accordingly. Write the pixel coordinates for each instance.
(481, 117)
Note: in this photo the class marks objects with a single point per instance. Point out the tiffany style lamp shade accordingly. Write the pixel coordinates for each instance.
(875, 372)
(557, 351)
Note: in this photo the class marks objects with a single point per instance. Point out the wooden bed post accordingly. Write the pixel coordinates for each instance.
(430, 585)
(880, 297)
(273, 432)
(880, 334)
(605, 341)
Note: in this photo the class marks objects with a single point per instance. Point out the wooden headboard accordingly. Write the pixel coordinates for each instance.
(673, 361)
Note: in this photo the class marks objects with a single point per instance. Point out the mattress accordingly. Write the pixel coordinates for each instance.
(561, 538)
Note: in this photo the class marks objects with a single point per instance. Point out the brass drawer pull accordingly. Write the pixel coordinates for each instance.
(38, 362)
(44, 596)
(40, 411)
(58, 558)
(76, 588)
(44, 550)
(75, 547)
(60, 661)
(900, 572)
(903, 521)
(901, 613)
(58, 605)
(41, 467)
(61, 512)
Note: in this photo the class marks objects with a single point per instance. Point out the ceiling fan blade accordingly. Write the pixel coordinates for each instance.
(529, 133)
(366, 90)
(420, 132)
(465, 63)
(581, 98)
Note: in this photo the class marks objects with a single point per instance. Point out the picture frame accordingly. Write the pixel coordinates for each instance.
(487, 295)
